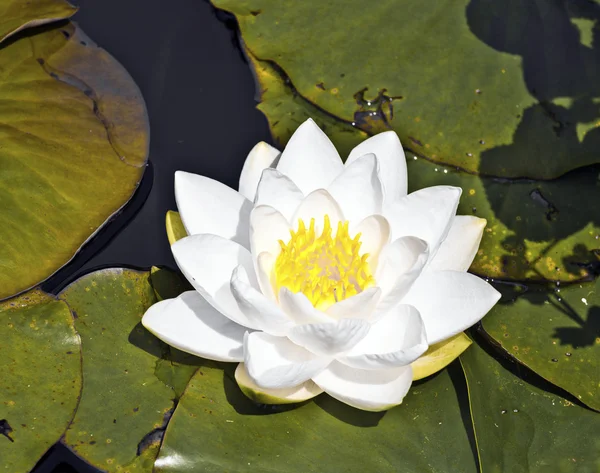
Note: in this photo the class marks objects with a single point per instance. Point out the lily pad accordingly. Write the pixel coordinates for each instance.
(40, 377)
(521, 428)
(285, 110)
(501, 89)
(536, 230)
(129, 375)
(74, 133)
(554, 331)
(16, 15)
(215, 428)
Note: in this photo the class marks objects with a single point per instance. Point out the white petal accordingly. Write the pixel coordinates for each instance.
(374, 235)
(300, 309)
(207, 206)
(278, 191)
(331, 338)
(260, 311)
(207, 261)
(300, 393)
(191, 324)
(262, 156)
(358, 189)
(276, 362)
(401, 263)
(425, 214)
(392, 163)
(316, 205)
(267, 227)
(459, 248)
(310, 159)
(264, 272)
(450, 302)
(397, 339)
(370, 390)
(360, 306)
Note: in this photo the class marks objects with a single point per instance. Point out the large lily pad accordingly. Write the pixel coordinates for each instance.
(505, 89)
(74, 134)
(215, 428)
(556, 332)
(131, 379)
(16, 15)
(521, 428)
(40, 377)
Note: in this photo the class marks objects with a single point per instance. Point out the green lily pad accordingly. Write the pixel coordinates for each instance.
(505, 89)
(285, 110)
(535, 230)
(40, 377)
(129, 375)
(521, 428)
(16, 15)
(74, 134)
(215, 428)
(554, 331)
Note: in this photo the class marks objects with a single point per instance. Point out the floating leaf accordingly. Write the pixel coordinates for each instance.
(127, 397)
(215, 428)
(16, 15)
(501, 88)
(519, 427)
(556, 332)
(74, 134)
(40, 377)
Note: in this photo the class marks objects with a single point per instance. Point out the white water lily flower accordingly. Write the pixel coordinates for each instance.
(319, 275)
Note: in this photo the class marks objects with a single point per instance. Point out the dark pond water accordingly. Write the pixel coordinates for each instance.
(200, 97)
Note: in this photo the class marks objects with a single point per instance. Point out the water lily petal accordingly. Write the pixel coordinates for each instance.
(400, 264)
(300, 309)
(310, 158)
(359, 306)
(425, 214)
(267, 227)
(278, 191)
(459, 248)
(397, 339)
(316, 205)
(369, 390)
(450, 302)
(207, 206)
(264, 273)
(358, 189)
(261, 311)
(300, 393)
(276, 362)
(207, 261)
(192, 325)
(375, 233)
(331, 338)
(262, 156)
(392, 163)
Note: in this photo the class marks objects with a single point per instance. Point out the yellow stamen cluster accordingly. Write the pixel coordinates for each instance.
(325, 268)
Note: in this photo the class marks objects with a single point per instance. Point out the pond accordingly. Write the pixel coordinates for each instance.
(499, 102)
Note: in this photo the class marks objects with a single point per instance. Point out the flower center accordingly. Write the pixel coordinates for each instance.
(325, 268)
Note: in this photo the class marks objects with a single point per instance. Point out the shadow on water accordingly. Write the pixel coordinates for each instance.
(559, 43)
